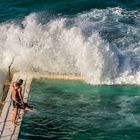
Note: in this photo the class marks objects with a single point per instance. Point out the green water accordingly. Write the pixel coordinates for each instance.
(73, 110)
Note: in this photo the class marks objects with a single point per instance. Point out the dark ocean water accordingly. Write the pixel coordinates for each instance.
(98, 39)
(17, 9)
(85, 37)
(69, 34)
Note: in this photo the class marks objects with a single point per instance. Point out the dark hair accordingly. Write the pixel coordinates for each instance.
(20, 81)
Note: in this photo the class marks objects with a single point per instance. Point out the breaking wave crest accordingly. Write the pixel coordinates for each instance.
(77, 45)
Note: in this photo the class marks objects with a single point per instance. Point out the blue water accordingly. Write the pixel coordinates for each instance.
(98, 39)
(82, 37)
(74, 110)
(15, 9)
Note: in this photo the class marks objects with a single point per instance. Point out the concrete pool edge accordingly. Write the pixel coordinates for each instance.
(7, 130)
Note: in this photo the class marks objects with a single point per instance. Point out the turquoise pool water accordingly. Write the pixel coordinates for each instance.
(74, 110)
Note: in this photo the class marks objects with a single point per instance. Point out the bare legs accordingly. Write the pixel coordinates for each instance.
(14, 116)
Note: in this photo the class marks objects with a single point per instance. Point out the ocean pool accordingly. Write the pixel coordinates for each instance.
(74, 110)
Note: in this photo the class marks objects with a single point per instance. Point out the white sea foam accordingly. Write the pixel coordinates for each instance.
(61, 47)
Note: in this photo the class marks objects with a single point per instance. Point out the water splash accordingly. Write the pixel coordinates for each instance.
(65, 45)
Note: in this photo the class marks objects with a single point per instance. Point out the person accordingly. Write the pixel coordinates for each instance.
(25, 106)
(16, 103)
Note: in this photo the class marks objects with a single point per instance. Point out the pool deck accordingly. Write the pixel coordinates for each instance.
(7, 130)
